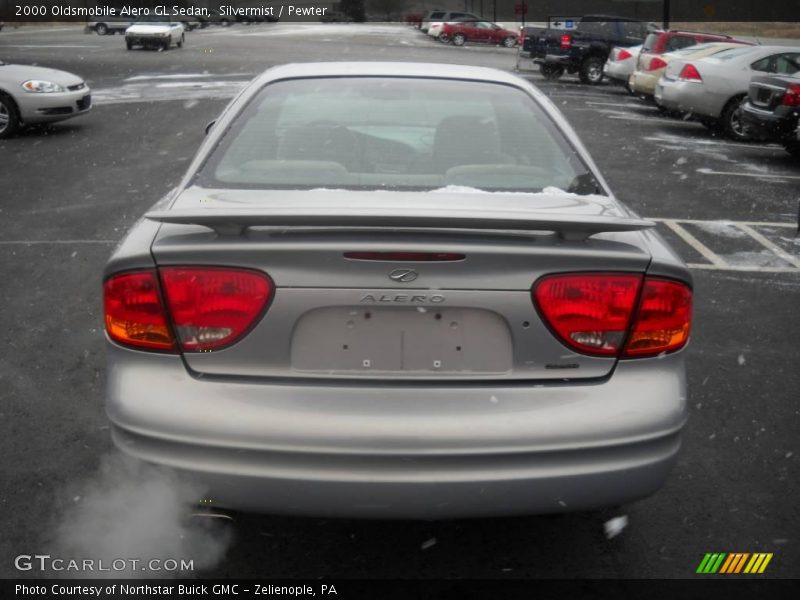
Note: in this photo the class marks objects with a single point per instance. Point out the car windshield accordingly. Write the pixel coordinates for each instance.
(397, 134)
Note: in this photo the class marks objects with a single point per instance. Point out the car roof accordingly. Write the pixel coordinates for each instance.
(387, 69)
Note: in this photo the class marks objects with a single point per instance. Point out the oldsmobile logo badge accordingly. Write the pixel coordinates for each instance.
(403, 275)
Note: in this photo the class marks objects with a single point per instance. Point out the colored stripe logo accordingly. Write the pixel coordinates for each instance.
(734, 563)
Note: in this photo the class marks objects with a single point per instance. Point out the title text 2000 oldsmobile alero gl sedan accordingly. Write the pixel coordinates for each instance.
(398, 290)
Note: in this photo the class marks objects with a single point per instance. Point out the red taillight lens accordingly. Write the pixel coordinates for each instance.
(594, 313)
(657, 63)
(624, 55)
(214, 307)
(663, 320)
(791, 97)
(566, 41)
(134, 313)
(589, 312)
(690, 73)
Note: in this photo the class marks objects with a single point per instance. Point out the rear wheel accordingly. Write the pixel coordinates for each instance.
(459, 39)
(732, 123)
(9, 120)
(792, 148)
(551, 72)
(510, 42)
(444, 38)
(592, 70)
(101, 29)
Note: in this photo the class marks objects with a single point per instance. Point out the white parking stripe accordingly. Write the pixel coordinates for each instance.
(777, 250)
(696, 244)
(707, 171)
(743, 268)
(56, 242)
(48, 46)
(718, 263)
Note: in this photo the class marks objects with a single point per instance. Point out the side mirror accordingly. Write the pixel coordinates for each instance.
(209, 126)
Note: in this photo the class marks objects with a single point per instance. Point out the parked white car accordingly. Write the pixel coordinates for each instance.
(160, 35)
(30, 95)
(713, 88)
(621, 63)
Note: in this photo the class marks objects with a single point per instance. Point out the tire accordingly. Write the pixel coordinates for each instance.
(444, 38)
(792, 148)
(510, 42)
(551, 72)
(165, 45)
(591, 71)
(181, 41)
(731, 121)
(129, 44)
(459, 39)
(101, 29)
(9, 118)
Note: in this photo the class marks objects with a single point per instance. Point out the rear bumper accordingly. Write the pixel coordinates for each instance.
(402, 452)
(644, 83)
(688, 97)
(767, 126)
(618, 71)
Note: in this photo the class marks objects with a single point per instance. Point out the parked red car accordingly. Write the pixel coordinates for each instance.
(482, 32)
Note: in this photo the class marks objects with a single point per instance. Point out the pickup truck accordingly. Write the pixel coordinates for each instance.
(583, 50)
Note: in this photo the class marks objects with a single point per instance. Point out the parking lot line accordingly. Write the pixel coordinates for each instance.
(777, 250)
(687, 237)
(707, 171)
(716, 262)
(56, 242)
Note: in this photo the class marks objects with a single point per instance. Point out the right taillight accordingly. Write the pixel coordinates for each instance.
(566, 41)
(623, 55)
(657, 63)
(663, 319)
(791, 97)
(615, 314)
(690, 73)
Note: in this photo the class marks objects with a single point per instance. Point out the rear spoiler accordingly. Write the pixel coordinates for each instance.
(235, 221)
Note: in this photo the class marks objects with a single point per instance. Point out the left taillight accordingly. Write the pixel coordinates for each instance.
(134, 311)
(656, 63)
(207, 308)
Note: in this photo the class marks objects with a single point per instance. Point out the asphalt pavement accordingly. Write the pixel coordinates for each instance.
(68, 193)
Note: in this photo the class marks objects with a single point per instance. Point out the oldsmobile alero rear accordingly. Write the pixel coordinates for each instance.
(398, 290)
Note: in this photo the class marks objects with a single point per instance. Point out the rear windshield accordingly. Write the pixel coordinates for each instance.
(436, 15)
(394, 133)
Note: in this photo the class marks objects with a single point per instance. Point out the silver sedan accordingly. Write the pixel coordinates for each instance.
(398, 290)
(713, 88)
(30, 95)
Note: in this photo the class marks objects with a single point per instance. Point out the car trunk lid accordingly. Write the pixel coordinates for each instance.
(407, 286)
